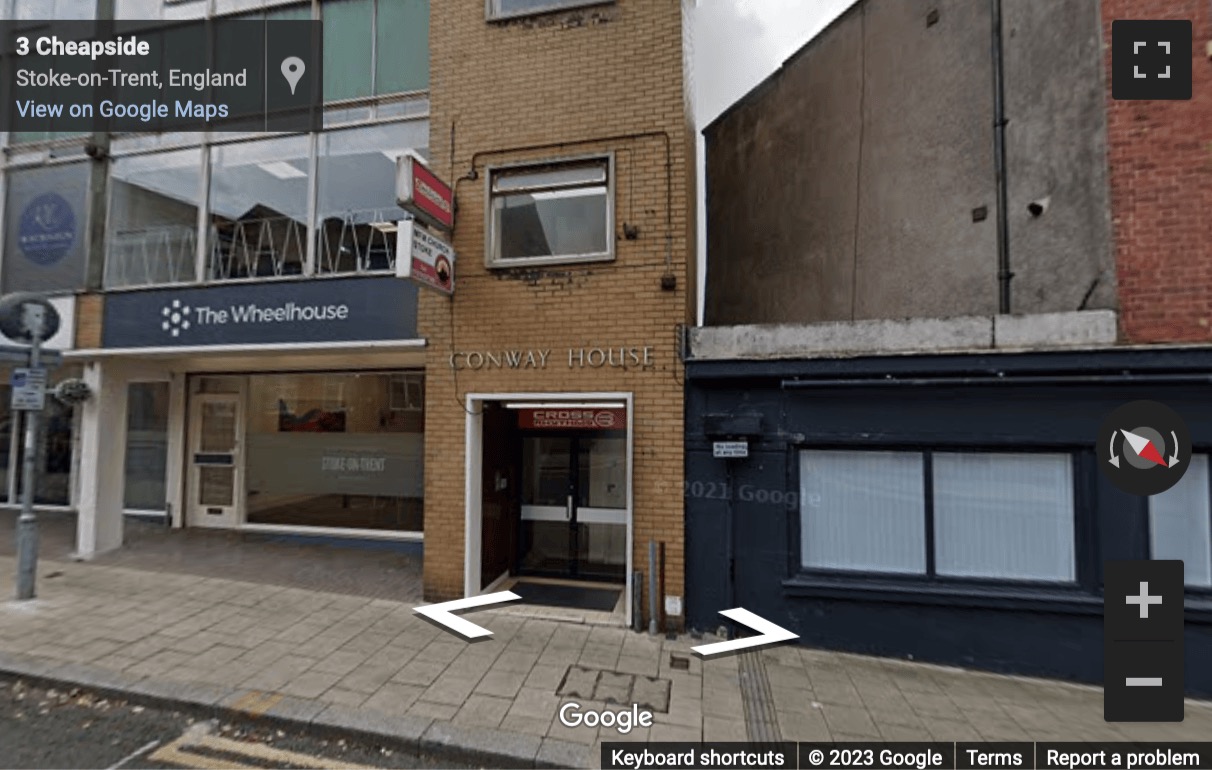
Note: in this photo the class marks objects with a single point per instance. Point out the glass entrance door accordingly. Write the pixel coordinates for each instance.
(574, 506)
(216, 483)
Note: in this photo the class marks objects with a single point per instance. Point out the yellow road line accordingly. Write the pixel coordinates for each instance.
(257, 703)
(171, 753)
(267, 753)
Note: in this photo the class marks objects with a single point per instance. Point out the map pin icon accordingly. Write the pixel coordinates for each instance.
(293, 69)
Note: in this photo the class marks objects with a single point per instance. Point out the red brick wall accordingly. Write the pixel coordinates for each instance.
(1160, 159)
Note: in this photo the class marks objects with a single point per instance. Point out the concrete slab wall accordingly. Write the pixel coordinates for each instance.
(1056, 149)
(848, 186)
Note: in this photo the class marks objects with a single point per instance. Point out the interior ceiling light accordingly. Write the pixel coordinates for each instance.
(281, 169)
(565, 405)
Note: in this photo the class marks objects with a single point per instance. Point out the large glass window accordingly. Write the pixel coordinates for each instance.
(153, 218)
(355, 207)
(867, 511)
(374, 47)
(552, 213)
(146, 445)
(54, 458)
(997, 515)
(1004, 516)
(1180, 523)
(333, 450)
(258, 208)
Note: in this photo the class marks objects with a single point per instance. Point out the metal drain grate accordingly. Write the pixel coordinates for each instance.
(760, 718)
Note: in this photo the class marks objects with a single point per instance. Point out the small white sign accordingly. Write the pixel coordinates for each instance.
(29, 389)
(673, 605)
(730, 449)
(424, 257)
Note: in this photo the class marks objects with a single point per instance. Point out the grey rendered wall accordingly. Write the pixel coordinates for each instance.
(788, 167)
(1056, 142)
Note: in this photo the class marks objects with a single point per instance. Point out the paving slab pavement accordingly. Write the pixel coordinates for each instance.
(343, 662)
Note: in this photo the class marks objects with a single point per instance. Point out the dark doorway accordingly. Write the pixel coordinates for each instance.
(499, 493)
(573, 504)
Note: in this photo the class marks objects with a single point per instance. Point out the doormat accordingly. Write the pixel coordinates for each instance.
(575, 597)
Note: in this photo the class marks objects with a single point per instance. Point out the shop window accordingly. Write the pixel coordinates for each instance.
(153, 219)
(258, 208)
(146, 445)
(1004, 516)
(374, 47)
(355, 211)
(54, 458)
(408, 392)
(328, 450)
(506, 9)
(865, 511)
(1180, 523)
(554, 213)
(8, 427)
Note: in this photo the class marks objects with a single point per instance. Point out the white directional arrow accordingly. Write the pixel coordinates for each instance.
(770, 633)
(442, 614)
(1174, 454)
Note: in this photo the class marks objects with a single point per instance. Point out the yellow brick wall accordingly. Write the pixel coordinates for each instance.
(605, 79)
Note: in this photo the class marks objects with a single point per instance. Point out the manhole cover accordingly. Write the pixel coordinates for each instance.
(616, 687)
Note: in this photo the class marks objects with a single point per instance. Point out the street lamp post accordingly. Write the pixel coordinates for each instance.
(34, 316)
(28, 319)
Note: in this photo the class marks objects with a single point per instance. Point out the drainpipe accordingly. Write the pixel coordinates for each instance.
(1004, 274)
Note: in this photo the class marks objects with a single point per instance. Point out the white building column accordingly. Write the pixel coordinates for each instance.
(102, 460)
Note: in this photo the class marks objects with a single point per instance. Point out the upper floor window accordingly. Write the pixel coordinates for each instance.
(374, 47)
(554, 213)
(506, 9)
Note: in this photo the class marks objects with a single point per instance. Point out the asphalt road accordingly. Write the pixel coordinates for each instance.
(55, 728)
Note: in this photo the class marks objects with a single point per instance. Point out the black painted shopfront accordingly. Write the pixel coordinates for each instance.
(944, 508)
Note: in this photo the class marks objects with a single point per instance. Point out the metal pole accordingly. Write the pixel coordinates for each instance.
(27, 524)
(652, 587)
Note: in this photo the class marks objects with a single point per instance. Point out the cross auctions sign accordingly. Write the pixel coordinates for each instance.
(424, 258)
(573, 418)
(419, 191)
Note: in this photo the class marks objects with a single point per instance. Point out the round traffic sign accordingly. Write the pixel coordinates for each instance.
(15, 319)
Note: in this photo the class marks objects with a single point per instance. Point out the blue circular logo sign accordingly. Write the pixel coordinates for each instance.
(47, 229)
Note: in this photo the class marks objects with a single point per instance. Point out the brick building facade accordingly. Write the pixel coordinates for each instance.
(596, 90)
(1160, 158)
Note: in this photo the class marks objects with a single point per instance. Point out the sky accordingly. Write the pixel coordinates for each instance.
(737, 43)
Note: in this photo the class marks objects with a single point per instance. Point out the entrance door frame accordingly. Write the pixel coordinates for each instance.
(473, 467)
(192, 509)
(189, 474)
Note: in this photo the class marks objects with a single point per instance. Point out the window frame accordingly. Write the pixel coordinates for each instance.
(492, 261)
(799, 573)
(542, 7)
(1190, 589)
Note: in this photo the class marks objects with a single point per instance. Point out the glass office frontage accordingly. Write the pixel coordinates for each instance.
(329, 449)
(273, 208)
